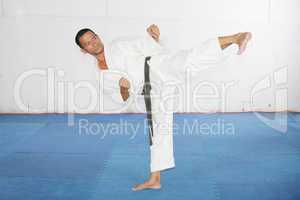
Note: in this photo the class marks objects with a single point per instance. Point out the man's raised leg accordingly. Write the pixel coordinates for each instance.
(241, 39)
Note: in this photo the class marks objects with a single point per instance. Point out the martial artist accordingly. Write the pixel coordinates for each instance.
(145, 60)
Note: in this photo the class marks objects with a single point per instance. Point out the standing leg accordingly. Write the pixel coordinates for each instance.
(161, 150)
(154, 180)
(160, 126)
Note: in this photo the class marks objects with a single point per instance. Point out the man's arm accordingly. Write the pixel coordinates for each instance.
(124, 88)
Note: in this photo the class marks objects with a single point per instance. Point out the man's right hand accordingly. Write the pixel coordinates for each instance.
(124, 93)
(124, 88)
(123, 82)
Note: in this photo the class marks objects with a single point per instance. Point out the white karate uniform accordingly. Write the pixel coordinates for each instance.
(127, 56)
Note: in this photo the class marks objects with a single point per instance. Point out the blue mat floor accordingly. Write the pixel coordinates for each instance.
(218, 157)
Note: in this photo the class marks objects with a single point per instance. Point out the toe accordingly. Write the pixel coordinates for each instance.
(138, 187)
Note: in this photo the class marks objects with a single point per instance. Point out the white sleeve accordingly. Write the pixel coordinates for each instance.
(142, 45)
(109, 84)
(150, 47)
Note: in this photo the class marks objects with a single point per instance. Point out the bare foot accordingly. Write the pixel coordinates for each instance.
(147, 185)
(242, 40)
(152, 183)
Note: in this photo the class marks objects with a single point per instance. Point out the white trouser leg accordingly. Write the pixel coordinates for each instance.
(209, 53)
(162, 156)
(200, 57)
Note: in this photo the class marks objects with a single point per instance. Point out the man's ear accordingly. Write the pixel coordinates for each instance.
(83, 51)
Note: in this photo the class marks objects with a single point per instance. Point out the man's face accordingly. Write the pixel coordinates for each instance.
(91, 43)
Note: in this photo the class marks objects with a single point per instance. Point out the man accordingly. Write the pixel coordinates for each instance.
(128, 56)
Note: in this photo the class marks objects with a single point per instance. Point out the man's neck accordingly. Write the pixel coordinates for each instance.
(101, 61)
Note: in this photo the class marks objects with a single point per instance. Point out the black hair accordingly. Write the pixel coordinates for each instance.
(81, 33)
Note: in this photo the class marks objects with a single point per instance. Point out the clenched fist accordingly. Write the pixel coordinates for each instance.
(153, 31)
(123, 82)
(124, 88)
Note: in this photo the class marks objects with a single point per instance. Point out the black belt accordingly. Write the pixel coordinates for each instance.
(147, 98)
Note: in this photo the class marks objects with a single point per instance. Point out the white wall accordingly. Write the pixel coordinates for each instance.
(38, 35)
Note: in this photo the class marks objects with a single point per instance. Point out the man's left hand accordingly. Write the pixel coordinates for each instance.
(153, 31)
